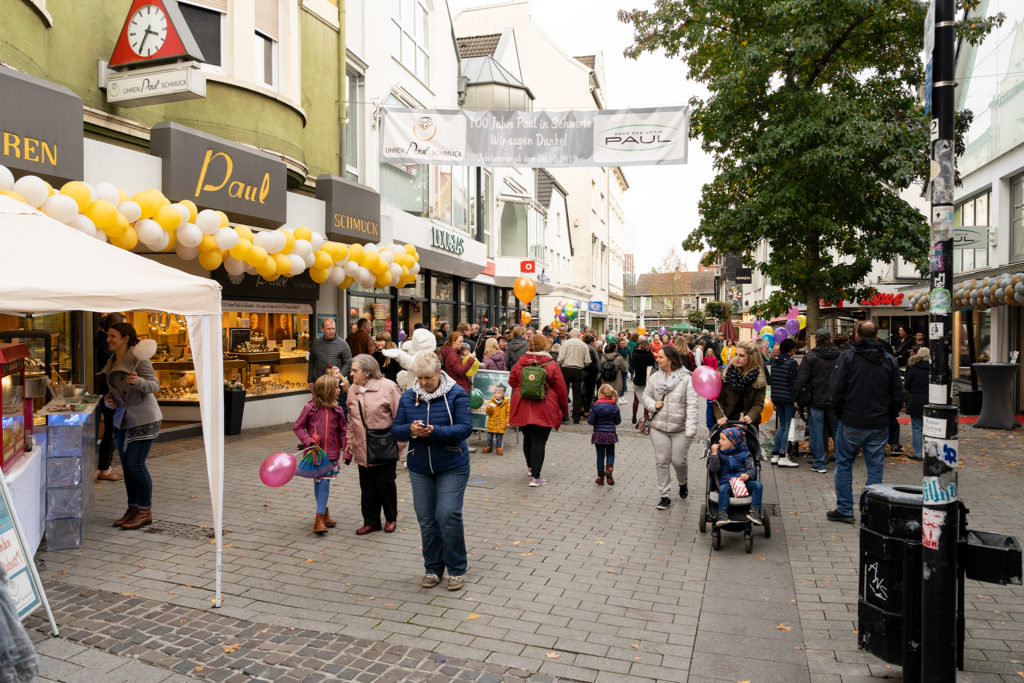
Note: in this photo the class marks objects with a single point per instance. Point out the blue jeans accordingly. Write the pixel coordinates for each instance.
(437, 499)
(725, 491)
(709, 415)
(625, 384)
(785, 413)
(848, 442)
(136, 475)
(605, 456)
(493, 438)
(916, 424)
(321, 487)
(819, 420)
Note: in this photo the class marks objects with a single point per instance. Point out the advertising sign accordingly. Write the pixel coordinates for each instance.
(158, 85)
(353, 210)
(23, 584)
(615, 137)
(596, 306)
(485, 381)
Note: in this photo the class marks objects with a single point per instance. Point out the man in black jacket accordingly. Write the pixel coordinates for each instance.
(811, 392)
(866, 394)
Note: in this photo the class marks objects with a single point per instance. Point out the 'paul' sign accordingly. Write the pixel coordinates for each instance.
(248, 185)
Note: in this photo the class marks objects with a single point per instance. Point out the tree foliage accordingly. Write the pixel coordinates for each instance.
(696, 318)
(718, 310)
(814, 124)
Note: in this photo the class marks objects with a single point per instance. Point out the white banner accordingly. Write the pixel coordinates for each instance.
(619, 137)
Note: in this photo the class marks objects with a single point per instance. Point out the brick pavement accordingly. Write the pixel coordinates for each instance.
(569, 581)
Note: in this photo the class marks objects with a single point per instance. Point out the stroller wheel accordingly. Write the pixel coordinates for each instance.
(702, 521)
(768, 527)
(748, 543)
(716, 538)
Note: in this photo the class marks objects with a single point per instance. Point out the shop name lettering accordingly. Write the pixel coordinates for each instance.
(147, 86)
(236, 188)
(447, 241)
(362, 225)
(29, 149)
(878, 299)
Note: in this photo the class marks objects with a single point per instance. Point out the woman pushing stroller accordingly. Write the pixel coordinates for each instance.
(736, 474)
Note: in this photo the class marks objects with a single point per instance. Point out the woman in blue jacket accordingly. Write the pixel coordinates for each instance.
(783, 379)
(434, 417)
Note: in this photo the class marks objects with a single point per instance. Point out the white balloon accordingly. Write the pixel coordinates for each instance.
(365, 273)
(233, 265)
(6, 178)
(183, 210)
(60, 207)
(183, 251)
(130, 210)
(387, 256)
(32, 189)
(85, 225)
(208, 221)
(298, 265)
(415, 270)
(161, 243)
(310, 260)
(398, 251)
(149, 232)
(190, 235)
(351, 269)
(105, 190)
(396, 271)
(264, 239)
(226, 238)
(251, 270)
(317, 240)
(100, 235)
(302, 248)
(280, 241)
(336, 276)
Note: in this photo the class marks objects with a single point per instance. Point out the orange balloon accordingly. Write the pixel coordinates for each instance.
(526, 317)
(525, 289)
(769, 409)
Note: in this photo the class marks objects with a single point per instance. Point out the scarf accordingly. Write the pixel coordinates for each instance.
(443, 387)
(663, 384)
(738, 381)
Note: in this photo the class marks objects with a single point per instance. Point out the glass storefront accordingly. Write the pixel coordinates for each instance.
(972, 339)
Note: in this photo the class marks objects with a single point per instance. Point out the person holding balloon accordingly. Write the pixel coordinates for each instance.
(322, 423)
(131, 385)
(671, 400)
(743, 387)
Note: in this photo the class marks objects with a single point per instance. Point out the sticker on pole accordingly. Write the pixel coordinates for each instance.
(935, 330)
(939, 490)
(946, 450)
(931, 527)
(937, 394)
(934, 426)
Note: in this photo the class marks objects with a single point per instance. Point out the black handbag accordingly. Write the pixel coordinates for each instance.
(381, 447)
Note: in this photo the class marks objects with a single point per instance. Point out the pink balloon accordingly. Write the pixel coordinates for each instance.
(707, 382)
(794, 312)
(278, 469)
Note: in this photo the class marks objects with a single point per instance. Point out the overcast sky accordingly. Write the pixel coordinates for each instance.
(661, 204)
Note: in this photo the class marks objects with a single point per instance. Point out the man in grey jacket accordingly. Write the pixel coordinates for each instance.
(574, 356)
(326, 351)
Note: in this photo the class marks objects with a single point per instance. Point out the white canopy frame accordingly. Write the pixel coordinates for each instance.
(49, 267)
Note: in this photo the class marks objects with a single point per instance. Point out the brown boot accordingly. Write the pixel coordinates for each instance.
(487, 449)
(318, 524)
(608, 469)
(599, 481)
(131, 512)
(328, 522)
(142, 518)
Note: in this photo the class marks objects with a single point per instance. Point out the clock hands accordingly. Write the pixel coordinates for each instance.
(148, 32)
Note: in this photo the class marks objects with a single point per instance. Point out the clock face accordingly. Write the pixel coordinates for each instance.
(147, 30)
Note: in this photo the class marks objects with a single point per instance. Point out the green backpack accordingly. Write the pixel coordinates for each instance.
(533, 381)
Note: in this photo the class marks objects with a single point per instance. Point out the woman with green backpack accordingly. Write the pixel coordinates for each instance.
(539, 402)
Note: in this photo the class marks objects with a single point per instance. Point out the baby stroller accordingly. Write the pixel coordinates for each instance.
(738, 507)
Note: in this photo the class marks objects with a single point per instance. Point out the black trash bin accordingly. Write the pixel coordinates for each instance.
(234, 405)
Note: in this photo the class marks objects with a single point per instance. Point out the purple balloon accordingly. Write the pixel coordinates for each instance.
(662, 330)
(759, 325)
(401, 335)
(278, 469)
(563, 317)
(793, 326)
(780, 334)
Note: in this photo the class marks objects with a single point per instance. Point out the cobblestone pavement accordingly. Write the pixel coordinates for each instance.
(566, 582)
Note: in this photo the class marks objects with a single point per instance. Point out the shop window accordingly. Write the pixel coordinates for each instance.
(975, 331)
(206, 21)
(442, 313)
(442, 288)
(409, 37)
(513, 230)
(970, 246)
(375, 309)
(353, 152)
(450, 192)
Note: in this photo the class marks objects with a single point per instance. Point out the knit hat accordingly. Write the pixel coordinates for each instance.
(734, 434)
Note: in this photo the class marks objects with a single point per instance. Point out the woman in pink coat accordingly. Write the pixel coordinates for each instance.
(373, 400)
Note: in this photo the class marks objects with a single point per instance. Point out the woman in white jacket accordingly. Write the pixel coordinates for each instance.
(671, 399)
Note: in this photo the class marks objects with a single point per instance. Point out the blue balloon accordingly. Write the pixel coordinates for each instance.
(770, 338)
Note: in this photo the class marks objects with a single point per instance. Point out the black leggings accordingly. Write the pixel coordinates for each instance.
(535, 440)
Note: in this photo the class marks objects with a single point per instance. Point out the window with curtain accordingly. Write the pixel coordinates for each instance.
(451, 192)
(410, 21)
(513, 230)
(265, 42)
(206, 22)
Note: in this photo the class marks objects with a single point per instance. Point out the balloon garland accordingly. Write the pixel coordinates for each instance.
(988, 292)
(151, 220)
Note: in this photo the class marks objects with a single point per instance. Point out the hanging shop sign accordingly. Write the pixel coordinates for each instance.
(447, 240)
(157, 85)
(614, 137)
(353, 210)
(596, 306)
(877, 299)
(154, 31)
(40, 128)
(743, 276)
(248, 185)
(245, 287)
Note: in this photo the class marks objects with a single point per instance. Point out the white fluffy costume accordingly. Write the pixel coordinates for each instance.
(421, 341)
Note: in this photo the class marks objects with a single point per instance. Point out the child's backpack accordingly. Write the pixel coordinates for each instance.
(609, 373)
(533, 381)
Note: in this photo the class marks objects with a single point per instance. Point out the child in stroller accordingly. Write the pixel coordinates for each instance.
(733, 453)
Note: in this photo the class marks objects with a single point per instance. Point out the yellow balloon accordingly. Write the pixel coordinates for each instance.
(370, 260)
(244, 232)
(147, 203)
(172, 240)
(223, 219)
(78, 191)
(341, 252)
(242, 250)
(267, 268)
(49, 189)
(102, 213)
(168, 217)
(383, 280)
(161, 200)
(406, 275)
(122, 196)
(319, 275)
(257, 257)
(410, 249)
(303, 233)
(192, 209)
(355, 252)
(802, 319)
(127, 240)
(122, 226)
(284, 264)
(379, 267)
(13, 195)
(289, 242)
(346, 283)
(323, 259)
(208, 243)
(210, 260)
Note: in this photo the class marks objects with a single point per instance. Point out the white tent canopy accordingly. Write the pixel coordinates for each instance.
(48, 267)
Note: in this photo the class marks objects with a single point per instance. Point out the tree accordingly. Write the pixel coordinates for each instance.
(815, 127)
(671, 262)
(695, 318)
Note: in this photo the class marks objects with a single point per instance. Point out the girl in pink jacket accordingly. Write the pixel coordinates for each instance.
(322, 422)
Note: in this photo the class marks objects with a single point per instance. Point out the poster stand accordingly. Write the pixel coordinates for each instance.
(23, 582)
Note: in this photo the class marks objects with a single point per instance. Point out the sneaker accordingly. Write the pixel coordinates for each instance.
(537, 481)
(755, 516)
(915, 457)
(784, 461)
(487, 449)
(722, 519)
(455, 583)
(529, 473)
(499, 451)
(664, 504)
(472, 449)
(819, 470)
(430, 580)
(775, 458)
(684, 491)
(836, 516)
